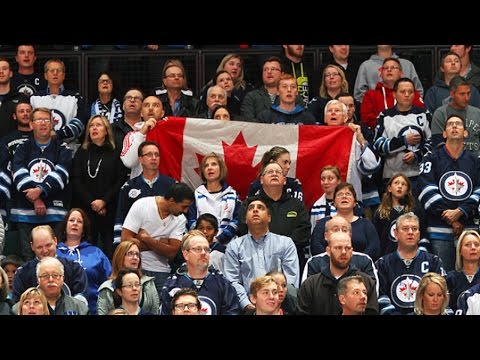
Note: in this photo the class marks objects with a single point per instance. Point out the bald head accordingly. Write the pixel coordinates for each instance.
(337, 224)
(340, 237)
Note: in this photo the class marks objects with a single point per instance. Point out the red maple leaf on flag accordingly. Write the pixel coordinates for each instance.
(199, 159)
(239, 160)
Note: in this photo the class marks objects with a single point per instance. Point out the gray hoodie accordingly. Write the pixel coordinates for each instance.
(369, 75)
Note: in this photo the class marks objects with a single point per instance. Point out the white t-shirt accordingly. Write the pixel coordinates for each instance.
(144, 215)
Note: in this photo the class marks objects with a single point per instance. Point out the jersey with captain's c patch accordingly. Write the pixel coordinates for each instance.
(391, 131)
(399, 280)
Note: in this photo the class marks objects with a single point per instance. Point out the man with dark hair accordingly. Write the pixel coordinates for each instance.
(26, 80)
(156, 224)
(294, 63)
(352, 294)
(265, 96)
(470, 71)
(186, 302)
(449, 189)
(460, 93)
(9, 97)
(242, 263)
(149, 183)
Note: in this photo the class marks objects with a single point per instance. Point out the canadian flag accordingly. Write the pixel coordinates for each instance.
(185, 141)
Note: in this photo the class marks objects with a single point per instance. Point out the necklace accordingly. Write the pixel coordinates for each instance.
(97, 169)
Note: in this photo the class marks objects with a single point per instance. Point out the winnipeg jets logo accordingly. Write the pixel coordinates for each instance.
(391, 232)
(412, 129)
(404, 289)
(39, 171)
(26, 89)
(455, 186)
(208, 305)
(58, 119)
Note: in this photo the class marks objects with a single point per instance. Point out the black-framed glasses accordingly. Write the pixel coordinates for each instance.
(133, 98)
(189, 306)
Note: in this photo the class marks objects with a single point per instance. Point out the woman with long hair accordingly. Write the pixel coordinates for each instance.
(127, 255)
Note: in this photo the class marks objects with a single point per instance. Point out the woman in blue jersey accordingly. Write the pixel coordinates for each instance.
(75, 247)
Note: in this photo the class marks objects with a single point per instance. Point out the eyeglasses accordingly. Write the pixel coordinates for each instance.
(151, 155)
(172, 76)
(189, 306)
(391, 67)
(457, 123)
(55, 71)
(133, 98)
(271, 172)
(55, 276)
(106, 81)
(346, 194)
(272, 69)
(331, 74)
(133, 254)
(130, 286)
(41, 120)
(199, 250)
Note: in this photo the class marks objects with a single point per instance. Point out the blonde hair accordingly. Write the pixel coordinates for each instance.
(259, 283)
(47, 228)
(323, 85)
(458, 251)
(186, 238)
(427, 279)
(33, 292)
(239, 83)
(88, 140)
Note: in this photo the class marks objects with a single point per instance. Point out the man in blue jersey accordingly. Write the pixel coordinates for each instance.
(449, 188)
(216, 294)
(40, 169)
(400, 272)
